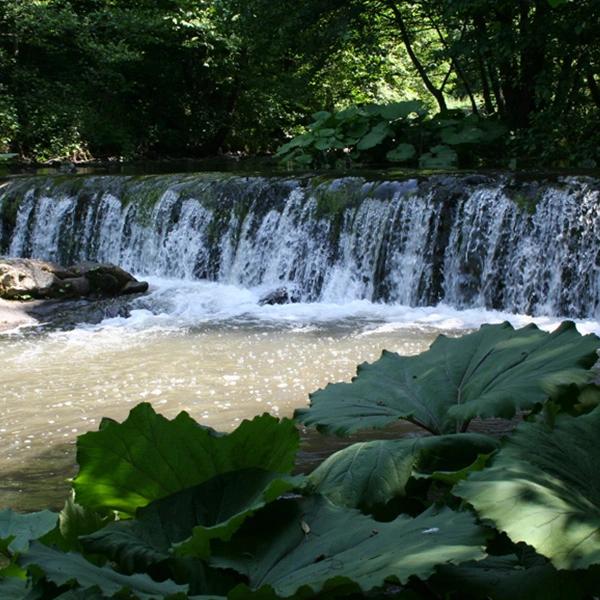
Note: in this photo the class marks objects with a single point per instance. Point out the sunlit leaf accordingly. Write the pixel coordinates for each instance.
(492, 372)
(189, 519)
(543, 488)
(342, 545)
(17, 530)
(372, 473)
(128, 465)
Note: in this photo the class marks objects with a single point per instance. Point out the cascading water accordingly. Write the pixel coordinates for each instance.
(469, 241)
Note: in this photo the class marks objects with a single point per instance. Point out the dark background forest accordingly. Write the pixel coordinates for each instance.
(129, 79)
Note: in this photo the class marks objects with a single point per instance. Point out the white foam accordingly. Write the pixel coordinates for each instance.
(176, 304)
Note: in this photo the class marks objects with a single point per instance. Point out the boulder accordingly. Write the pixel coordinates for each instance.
(25, 278)
(279, 296)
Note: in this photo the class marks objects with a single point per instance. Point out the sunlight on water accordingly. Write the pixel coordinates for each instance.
(206, 348)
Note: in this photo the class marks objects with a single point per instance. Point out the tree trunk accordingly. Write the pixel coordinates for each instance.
(435, 92)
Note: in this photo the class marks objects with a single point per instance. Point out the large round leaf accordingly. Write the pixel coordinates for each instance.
(62, 568)
(401, 153)
(189, 519)
(17, 530)
(127, 465)
(492, 372)
(377, 134)
(401, 110)
(311, 542)
(543, 488)
(372, 473)
(510, 578)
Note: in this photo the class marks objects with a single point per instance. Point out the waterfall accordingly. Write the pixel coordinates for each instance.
(469, 241)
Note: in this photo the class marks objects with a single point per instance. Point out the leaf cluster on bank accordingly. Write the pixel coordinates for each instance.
(172, 509)
(400, 132)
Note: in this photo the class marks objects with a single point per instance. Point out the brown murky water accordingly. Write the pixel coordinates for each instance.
(56, 386)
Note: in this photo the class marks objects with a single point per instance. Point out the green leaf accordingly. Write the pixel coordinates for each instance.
(326, 132)
(300, 141)
(313, 543)
(492, 372)
(321, 115)
(453, 477)
(12, 588)
(189, 519)
(507, 578)
(75, 521)
(17, 530)
(462, 135)
(357, 129)
(401, 110)
(63, 568)
(439, 157)
(401, 153)
(543, 488)
(92, 593)
(324, 144)
(374, 137)
(128, 465)
(372, 473)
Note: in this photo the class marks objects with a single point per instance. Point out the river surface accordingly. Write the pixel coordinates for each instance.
(206, 348)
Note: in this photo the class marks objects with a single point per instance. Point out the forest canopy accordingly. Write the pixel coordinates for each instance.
(192, 78)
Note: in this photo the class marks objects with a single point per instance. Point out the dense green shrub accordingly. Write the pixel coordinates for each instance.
(400, 132)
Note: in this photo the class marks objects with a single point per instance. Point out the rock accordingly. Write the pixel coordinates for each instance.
(279, 296)
(79, 286)
(24, 279)
(135, 287)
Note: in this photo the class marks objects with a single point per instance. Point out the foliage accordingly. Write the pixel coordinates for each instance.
(493, 372)
(214, 516)
(369, 474)
(400, 132)
(543, 489)
(125, 466)
(112, 78)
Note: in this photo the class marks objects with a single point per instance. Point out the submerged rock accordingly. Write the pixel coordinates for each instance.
(27, 278)
(279, 296)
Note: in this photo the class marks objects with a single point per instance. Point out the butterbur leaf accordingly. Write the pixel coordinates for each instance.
(128, 465)
(189, 519)
(492, 372)
(64, 568)
(462, 135)
(230, 500)
(12, 588)
(75, 521)
(374, 137)
(310, 542)
(508, 578)
(17, 530)
(453, 477)
(91, 593)
(439, 157)
(401, 110)
(543, 488)
(401, 153)
(367, 474)
(321, 115)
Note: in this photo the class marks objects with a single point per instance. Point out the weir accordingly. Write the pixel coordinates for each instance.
(465, 240)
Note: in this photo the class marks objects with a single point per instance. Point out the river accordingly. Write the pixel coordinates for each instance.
(374, 265)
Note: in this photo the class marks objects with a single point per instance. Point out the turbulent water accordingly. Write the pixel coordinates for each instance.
(467, 241)
(373, 265)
